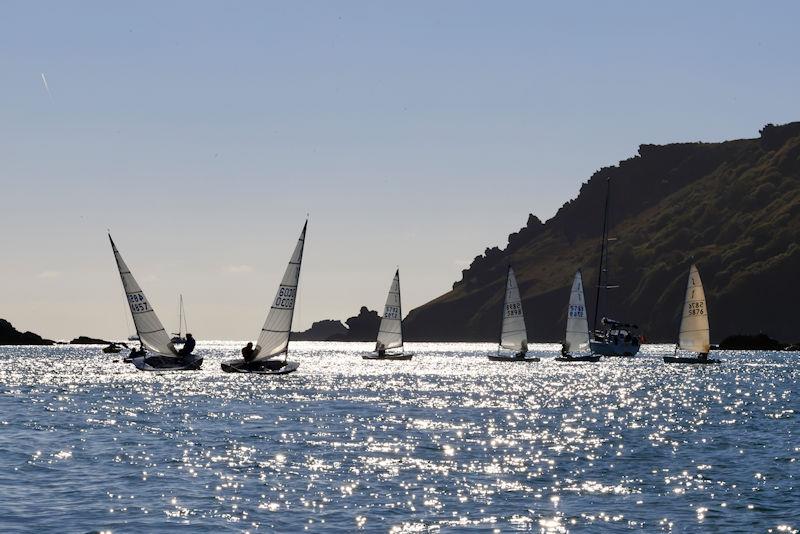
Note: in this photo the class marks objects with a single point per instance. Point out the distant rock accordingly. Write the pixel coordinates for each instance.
(750, 342)
(321, 331)
(362, 327)
(11, 336)
(83, 340)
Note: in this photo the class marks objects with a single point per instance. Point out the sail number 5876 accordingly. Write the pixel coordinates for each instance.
(696, 308)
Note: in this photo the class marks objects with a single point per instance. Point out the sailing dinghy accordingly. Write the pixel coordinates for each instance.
(274, 338)
(390, 331)
(513, 334)
(694, 333)
(159, 352)
(576, 345)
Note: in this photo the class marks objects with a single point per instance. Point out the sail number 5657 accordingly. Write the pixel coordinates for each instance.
(138, 303)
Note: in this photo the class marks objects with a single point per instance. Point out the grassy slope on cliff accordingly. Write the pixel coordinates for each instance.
(732, 207)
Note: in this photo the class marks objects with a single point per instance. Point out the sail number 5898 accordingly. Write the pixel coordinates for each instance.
(513, 309)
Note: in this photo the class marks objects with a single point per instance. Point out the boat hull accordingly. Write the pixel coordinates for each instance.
(392, 357)
(496, 358)
(623, 349)
(266, 367)
(587, 358)
(696, 361)
(168, 362)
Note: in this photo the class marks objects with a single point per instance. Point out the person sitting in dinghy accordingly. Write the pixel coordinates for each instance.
(380, 348)
(248, 353)
(188, 347)
(523, 349)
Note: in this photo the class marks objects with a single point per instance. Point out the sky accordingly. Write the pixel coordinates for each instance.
(414, 134)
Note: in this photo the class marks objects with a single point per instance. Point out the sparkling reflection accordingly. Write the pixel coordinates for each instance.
(449, 441)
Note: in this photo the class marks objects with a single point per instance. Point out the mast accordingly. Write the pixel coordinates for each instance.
(400, 310)
(122, 280)
(503, 311)
(274, 337)
(296, 288)
(603, 253)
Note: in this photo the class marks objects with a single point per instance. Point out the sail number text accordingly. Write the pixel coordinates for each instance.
(577, 310)
(285, 298)
(696, 308)
(391, 312)
(138, 303)
(513, 309)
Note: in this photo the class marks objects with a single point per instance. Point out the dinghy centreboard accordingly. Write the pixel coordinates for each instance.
(160, 353)
(513, 334)
(274, 338)
(390, 331)
(694, 334)
(576, 341)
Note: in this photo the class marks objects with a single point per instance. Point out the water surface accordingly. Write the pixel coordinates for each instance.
(444, 443)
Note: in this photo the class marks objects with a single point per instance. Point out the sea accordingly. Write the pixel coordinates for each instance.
(448, 442)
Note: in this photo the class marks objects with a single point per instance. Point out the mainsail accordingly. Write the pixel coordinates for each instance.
(513, 334)
(390, 332)
(577, 325)
(274, 338)
(694, 334)
(148, 327)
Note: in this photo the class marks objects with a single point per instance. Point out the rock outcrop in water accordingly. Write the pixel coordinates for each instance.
(84, 340)
(11, 336)
(751, 342)
(362, 327)
(731, 207)
(321, 331)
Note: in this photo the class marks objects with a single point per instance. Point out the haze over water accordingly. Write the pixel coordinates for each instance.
(446, 442)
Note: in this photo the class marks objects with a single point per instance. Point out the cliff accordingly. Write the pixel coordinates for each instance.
(731, 207)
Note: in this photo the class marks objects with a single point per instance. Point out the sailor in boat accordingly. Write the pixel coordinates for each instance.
(188, 347)
(381, 349)
(522, 351)
(248, 352)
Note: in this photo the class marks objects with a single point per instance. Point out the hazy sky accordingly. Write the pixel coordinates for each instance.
(414, 133)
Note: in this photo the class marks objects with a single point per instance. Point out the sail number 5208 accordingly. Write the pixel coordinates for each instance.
(285, 298)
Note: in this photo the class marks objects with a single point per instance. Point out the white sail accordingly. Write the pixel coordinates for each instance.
(274, 338)
(148, 327)
(577, 337)
(513, 334)
(694, 333)
(390, 332)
